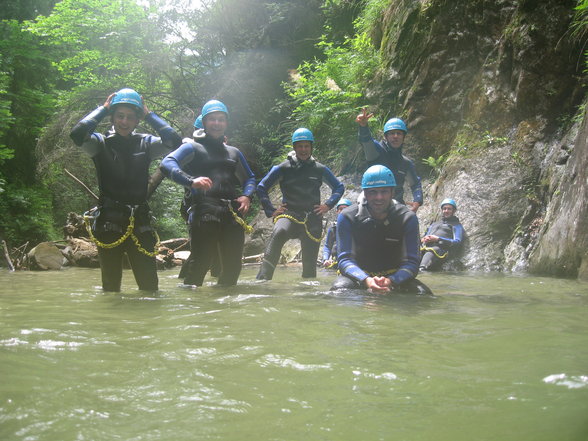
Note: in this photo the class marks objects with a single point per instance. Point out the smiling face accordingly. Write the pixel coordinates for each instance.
(379, 200)
(303, 150)
(215, 124)
(124, 119)
(395, 138)
(447, 210)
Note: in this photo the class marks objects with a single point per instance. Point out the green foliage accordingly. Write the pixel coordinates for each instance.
(25, 215)
(580, 27)
(26, 82)
(110, 52)
(165, 206)
(436, 164)
(471, 140)
(328, 94)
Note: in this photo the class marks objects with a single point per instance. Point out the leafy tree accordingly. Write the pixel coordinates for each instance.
(328, 93)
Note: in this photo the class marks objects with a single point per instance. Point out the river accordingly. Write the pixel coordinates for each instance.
(488, 357)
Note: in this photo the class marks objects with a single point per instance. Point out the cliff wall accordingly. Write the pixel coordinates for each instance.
(497, 87)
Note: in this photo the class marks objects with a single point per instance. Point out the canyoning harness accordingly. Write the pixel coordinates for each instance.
(248, 228)
(385, 273)
(296, 221)
(435, 252)
(92, 215)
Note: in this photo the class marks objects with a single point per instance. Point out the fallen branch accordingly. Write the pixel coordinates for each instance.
(81, 183)
(7, 256)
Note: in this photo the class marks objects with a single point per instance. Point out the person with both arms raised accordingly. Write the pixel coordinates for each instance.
(442, 238)
(378, 240)
(222, 185)
(300, 215)
(389, 153)
(122, 221)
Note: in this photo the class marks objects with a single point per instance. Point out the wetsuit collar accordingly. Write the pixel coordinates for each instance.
(391, 150)
(297, 162)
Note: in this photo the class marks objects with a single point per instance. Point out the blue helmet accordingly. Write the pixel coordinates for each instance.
(198, 123)
(448, 201)
(344, 202)
(395, 124)
(127, 96)
(214, 106)
(302, 134)
(378, 176)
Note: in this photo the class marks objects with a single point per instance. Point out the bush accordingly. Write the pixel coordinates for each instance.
(26, 215)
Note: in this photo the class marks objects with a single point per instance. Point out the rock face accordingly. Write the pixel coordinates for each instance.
(497, 88)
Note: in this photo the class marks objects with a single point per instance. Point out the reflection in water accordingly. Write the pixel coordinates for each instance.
(487, 357)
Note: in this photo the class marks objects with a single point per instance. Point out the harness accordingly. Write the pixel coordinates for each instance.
(93, 214)
(248, 228)
(434, 251)
(296, 221)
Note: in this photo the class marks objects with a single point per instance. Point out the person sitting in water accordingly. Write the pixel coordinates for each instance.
(122, 220)
(330, 246)
(378, 240)
(442, 238)
(301, 212)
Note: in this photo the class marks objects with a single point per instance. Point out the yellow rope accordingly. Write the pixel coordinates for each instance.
(383, 273)
(293, 219)
(434, 252)
(129, 233)
(248, 228)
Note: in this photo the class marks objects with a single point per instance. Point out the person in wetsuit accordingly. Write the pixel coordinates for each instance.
(122, 160)
(442, 238)
(222, 185)
(378, 240)
(300, 214)
(330, 246)
(389, 153)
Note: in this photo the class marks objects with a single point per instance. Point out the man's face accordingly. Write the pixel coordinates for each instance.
(215, 124)
(124, 119)
(303, 150)
(447, 210)
(395, 138)
(379, 199)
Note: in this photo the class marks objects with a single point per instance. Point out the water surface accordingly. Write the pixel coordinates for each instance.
(489, 357)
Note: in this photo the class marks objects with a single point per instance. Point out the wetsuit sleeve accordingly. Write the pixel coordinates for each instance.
(371, 148)
(83, 132)
(414, 181)
(264, 187)
(245, 176)
(347, 265)
(457, 237)
(172, 165)
(409, 266)
(328, 244)
(168, 137)
(336, 185)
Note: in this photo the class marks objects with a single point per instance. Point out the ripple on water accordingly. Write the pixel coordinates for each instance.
(569, 381)
(276, 360)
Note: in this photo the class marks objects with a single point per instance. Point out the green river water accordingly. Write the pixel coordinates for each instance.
(489, 357)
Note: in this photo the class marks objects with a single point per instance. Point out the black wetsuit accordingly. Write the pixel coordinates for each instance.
(300, 182)
(450, 233)
(213, 229)
(368, 247)
(402, 167)
(122, 167)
